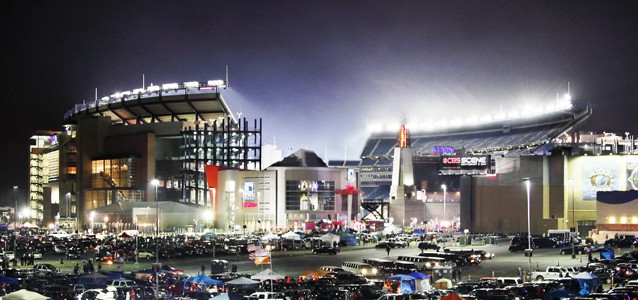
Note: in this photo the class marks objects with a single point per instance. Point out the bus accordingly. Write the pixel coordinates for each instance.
(423, 262)
(360, 268)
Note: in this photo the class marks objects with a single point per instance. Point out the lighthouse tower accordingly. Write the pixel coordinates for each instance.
(402, 178)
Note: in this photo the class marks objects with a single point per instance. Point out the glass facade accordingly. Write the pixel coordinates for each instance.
(309, 195)
(113, 180)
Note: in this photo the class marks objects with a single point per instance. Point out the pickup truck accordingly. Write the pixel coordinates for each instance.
(550, 273)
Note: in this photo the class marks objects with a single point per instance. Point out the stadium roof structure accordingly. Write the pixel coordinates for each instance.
(173, 102)
(525, 136)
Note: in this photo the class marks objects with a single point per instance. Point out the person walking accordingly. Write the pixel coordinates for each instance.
(387, 249)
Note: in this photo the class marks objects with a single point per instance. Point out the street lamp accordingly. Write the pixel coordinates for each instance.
(91, 218)
(67, 198)
(529, 230)
(155, 183)
(572, 233)
(15, 220)
(444, 187)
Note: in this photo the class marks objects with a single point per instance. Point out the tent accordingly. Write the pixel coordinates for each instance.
(24, 295)
(93, 279)
(451, 296)
(408, 284)
(242, 281)
(443, 284)
(560, 294)
(422, 281)
(605, 253)
(267, 274)
(587, 282)
(222, 296)
(202, 279)
(29, 225)
(291, 236)
(330, 238)
(269, 236)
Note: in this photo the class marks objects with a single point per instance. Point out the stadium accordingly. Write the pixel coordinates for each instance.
(468, 174)
(180, 147)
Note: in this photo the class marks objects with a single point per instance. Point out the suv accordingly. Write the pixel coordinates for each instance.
(121, 283)
(325, 250)
(426, 245)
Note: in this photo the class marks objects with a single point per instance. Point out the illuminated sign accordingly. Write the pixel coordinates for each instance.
(249, 194)
(443, 150)
(632, 176)
(461, 165)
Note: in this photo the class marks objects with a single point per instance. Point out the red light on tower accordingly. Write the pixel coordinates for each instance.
(404, 137)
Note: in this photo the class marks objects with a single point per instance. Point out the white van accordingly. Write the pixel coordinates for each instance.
(119, 283)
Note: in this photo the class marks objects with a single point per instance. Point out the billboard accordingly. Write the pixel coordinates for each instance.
(248, 194)
(632, 176)
(465, 165)
(599, 177)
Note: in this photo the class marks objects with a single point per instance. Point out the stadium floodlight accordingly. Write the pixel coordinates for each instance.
(105, 98)
(138, 91)
(392, 127)
(499, 116)
(485, 119)
(170, 86)
(456, 122)
(217, 83)
(550, 108)
(153, 88)
(513, 115)
(375, 127)
(471, 121)
(125, 93)
(191, 84)
(116, 95)
(567, 97)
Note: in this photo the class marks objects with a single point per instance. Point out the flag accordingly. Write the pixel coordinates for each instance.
(261, 253)
(252, 247)
(262, 260)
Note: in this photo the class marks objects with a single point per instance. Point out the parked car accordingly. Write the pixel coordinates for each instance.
(145, 254)
(579, 249)
(426, 245)
(325, 250)
(46, 267)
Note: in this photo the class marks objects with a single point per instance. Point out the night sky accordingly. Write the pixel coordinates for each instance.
(317, 71)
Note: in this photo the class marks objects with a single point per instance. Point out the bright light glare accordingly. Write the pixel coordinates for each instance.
(567, 97)
(170, 86)
(375, 127)
(485, 119)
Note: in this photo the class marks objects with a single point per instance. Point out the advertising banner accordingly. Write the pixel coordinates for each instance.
(465, 164)
(599, 177)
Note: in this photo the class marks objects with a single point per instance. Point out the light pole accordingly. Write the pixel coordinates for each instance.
(15, 221)
(529, 230)
(444, 187)
(572, 233)
(91, 218)
(155, 183)
(67, 196)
